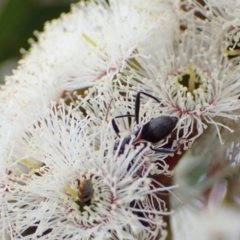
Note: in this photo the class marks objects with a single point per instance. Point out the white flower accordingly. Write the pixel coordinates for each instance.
(89, 45)
(91, 42)
(23, 103)
(64, 176)
(8, 184)
(193, 79)
(221, 222)
(224, 16)
(115, 106)
(83, 188)
(212, 8)
(73, 52)
(142, 235)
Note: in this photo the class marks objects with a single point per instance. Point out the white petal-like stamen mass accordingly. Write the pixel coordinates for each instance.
(108, 104)
(193, 79)
(8, 189)
(65, 173)
(91, 44)
(84, 187)
(219, 223)
(99, 47)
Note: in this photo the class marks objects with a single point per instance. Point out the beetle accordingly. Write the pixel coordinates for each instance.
(153, 131)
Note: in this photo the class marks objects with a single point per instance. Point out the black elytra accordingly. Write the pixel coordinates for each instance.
(158, 128)
(153, 131)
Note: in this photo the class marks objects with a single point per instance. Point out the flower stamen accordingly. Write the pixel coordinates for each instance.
(31, 164)
(191, 81)
(73, 192)
(89, 40)
(232, 52)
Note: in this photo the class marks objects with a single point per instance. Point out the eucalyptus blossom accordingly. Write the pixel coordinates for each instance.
(194, 79)
(76, 184)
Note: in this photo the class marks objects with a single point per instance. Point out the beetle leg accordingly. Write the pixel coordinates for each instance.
(138, 172)
(115, 127)
(137, 103)
(168, 150)
(165, 150)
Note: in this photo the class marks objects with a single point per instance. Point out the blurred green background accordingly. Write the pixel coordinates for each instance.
(18, 20)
